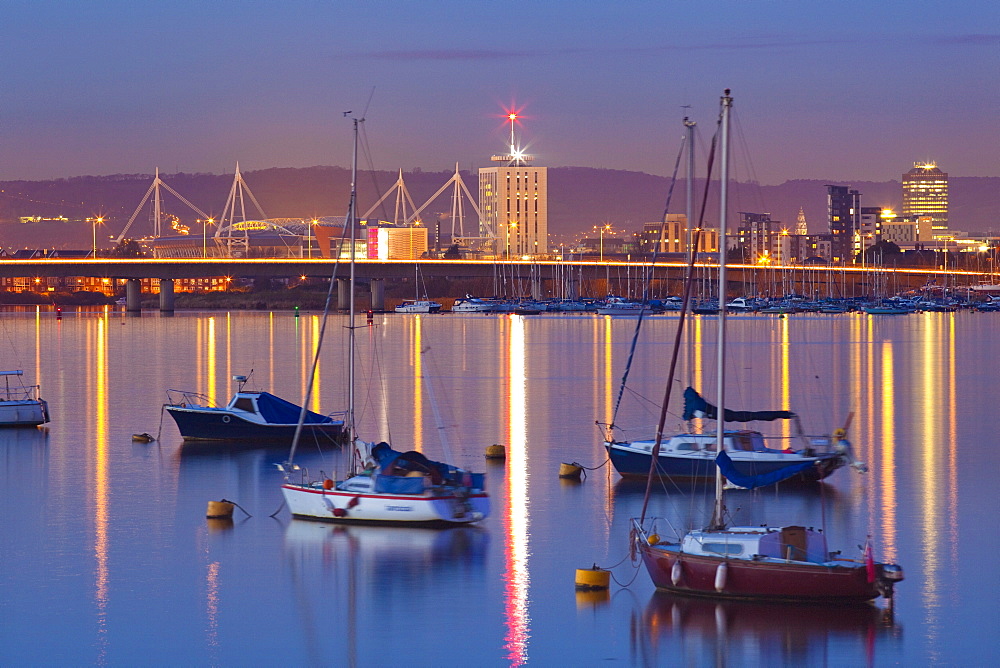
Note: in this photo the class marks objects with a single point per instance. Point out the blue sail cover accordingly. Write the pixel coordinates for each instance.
(696, 406)
(728, 469)
(278, 411)
(393, 461)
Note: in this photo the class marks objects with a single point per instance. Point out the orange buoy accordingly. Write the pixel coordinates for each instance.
(327, 484)
(592, 578)
(219, 510)
(570, 471)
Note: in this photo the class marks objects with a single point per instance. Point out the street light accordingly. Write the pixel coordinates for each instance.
(99, 219)
(310, 237)
(204, 236)
(512, 224)
(605, 228)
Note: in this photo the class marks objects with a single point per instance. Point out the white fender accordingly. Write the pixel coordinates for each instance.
(676, 572)
(720, 576)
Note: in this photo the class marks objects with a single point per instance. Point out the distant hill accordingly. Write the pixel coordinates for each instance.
(579, 199)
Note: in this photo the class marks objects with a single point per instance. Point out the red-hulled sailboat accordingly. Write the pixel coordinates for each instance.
(791, 563)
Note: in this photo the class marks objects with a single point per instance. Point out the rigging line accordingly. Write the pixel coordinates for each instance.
(655, 454)
(319, 346)
(647, 286)
(673, 180)
(748, 159)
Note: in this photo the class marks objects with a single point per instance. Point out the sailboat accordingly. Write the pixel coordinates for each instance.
(385, 486)
(21, 405)
(693, 455)
(789, 563)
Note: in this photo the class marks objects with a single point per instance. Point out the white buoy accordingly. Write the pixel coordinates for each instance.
(720, 576)
(676, 572)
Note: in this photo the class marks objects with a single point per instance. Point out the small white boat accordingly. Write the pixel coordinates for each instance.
(469, 304)
(21, 405)
(619, 306)
(418, 306)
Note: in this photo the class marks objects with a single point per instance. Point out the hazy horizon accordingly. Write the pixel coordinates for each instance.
(850, 92)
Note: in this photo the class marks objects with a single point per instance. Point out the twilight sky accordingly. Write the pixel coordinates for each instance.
(843, 91)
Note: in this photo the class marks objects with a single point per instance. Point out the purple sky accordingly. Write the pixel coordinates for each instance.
(850, 91)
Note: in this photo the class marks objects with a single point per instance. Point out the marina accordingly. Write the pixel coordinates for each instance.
(106, 538)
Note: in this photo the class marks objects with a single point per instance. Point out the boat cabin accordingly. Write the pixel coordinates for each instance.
(791, 543)
(736, 441)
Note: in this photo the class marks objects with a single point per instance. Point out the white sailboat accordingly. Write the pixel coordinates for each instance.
(385, 486)
(789, 563)
(21, 405)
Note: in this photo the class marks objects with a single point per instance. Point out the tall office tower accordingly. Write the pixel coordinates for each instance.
(925, 193)
(843, 206)
(513, 202)
(756, 235)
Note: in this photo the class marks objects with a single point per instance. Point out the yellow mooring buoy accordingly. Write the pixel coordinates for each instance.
(572, 471)
(219, 510)
(588, 579)
(496, 451)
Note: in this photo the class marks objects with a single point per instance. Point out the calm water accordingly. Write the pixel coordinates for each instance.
(107, 557)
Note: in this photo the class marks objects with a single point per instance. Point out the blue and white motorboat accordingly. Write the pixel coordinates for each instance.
(21, 405)
(249, 417)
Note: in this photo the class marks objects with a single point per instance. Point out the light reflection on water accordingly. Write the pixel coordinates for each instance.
(106, 540)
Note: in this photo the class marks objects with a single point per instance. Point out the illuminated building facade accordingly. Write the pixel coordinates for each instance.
(925, 193)
(756, 235)
(869, 230)
(843, 206)
(514, 202)
(666, 237)
(670, 236)
(396, 243)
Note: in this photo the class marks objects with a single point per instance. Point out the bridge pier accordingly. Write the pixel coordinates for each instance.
(343, 293)
(378, 294)
(166, 295)
(133, 290)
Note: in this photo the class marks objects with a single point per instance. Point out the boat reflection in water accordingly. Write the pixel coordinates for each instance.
(403, 549)
(750, 633)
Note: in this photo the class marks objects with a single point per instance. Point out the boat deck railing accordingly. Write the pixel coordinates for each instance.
(20, 393)
(189, 398)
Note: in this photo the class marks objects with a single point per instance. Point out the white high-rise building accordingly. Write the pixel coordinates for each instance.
(513, 203)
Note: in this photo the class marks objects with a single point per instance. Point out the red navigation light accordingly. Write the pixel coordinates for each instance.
(512, 116)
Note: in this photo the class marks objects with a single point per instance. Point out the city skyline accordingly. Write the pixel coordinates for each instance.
(854, 94)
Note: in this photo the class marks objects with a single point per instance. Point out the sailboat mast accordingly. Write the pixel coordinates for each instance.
(689, 186)
(727, 103)
(350, 299)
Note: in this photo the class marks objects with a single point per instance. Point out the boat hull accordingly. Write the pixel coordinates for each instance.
(431, 509)
(23, 413)
(764, 579)
(635, 464)
(219, 425)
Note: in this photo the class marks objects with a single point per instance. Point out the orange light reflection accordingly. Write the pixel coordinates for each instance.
(516, 522)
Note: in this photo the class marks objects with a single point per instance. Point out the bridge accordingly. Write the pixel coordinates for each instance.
(568, 274)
